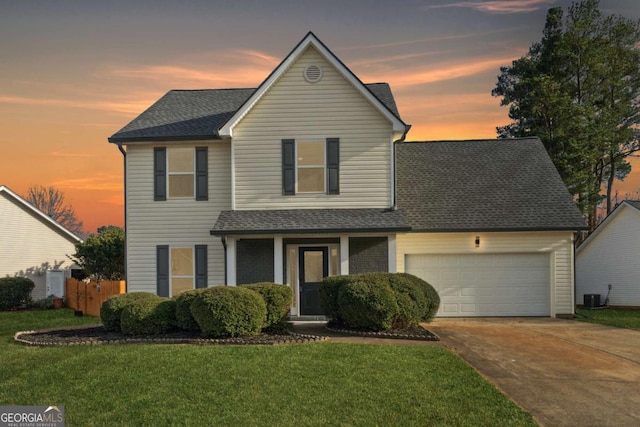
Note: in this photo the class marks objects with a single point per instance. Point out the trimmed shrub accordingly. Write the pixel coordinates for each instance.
(411, 301)
(111, 309)
(431, 296)
(229, 311)
(367, 304)
(278, 300)
(15, 291)
(184, 318)
(148, 316)
(329, 289)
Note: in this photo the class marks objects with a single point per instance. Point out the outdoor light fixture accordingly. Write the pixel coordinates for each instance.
(477, 241)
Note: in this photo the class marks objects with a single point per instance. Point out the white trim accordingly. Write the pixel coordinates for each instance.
(231, 261)
(178, 276)
(344, 254)
(169, 173)
(391, 249)
(278, 263)
(310, 40)
(233, 176)
(39, 214)
(604, 223)
(323, 166)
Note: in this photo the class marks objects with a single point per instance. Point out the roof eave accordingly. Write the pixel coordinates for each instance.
(125, 140)
(494, 229)
(221, 233)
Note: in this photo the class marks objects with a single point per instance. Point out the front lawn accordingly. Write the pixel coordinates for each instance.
(620, 318)
(301, 385)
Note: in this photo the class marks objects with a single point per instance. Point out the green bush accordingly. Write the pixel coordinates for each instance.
(184, 318)
(278, 300)
(432, 298)
(329, 289)
(148, 316)
(411, 301)
(229, 311)
(367, 304)
(45, 303)
(111, 309)
(15, 291)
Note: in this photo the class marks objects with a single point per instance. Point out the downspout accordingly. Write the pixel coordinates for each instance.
(224, 246)
(124, 161)
(394, 167)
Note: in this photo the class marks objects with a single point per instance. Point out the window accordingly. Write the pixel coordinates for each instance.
(181, 270)
(180, 167)
(310, 166)
(180, 172)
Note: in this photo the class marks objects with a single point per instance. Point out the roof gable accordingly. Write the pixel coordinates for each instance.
(399, 127)
(632, 205)
(482, 185)
(37, 213)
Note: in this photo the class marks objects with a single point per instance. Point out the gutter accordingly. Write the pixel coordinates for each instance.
(223, 240)
(124, 160)
(394, 167)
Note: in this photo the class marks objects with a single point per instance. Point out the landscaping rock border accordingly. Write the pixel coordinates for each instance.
(96, 335)
(416, 333)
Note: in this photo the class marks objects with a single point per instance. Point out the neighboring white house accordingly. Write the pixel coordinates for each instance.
(309, 175)
(31, 242)
(611, 256)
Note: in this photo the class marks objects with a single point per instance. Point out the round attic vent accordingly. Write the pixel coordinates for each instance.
(313, 73)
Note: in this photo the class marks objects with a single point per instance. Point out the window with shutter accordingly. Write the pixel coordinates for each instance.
(181, 172)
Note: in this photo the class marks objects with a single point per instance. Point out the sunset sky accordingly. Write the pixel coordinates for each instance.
(72, 73)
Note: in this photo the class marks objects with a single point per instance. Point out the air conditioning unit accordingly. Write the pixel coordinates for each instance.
(591, 300)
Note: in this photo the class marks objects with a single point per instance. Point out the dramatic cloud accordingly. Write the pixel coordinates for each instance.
(128, 107)
(499, 6)
(99, 181)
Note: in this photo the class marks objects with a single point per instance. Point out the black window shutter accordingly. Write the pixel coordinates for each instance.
(333, 165)
(288, 166)
(159, 173)
(162, 270)
(201, 266)
(202, 173)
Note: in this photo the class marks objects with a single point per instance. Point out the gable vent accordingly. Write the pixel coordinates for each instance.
(313, 73)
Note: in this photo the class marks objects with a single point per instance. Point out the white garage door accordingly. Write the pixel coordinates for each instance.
(486, 284)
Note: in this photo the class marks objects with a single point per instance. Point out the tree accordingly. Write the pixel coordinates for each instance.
(578, 89)
(102, 255)
(51, 202)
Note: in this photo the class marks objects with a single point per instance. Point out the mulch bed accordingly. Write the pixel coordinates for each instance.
(96, 335)
(411, 333)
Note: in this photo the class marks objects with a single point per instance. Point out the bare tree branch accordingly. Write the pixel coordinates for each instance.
(51, 202)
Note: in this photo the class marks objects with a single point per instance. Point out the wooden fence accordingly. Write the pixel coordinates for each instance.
(88, 297)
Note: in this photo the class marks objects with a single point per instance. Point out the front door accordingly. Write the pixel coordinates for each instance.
(313, 267)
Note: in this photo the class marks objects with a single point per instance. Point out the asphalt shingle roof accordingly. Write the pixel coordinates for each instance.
(309, 220)
(634, 203)
(484, 185)
(199, 114)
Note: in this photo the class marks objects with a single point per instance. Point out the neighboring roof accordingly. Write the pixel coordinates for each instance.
(625, 204)
(399, 127)
(309, 221)
(212, 113)
(19, 201)
(482, 185)
(199, 114)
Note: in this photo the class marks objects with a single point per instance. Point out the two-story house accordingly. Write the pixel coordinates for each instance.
(308, 175)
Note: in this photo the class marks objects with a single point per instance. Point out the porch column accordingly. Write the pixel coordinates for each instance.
(231, 261)
(278, 263)
(344, 254)
(391, 245)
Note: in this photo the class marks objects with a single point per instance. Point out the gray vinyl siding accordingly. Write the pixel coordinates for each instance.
(559, 246)
(296, 109)
(178, 222)
(27, 243)
(612, 256)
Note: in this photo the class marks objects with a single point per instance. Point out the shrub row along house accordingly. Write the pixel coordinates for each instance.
(310, 175)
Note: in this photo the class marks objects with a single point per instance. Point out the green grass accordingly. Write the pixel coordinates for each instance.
(293, 385)
(620, 318)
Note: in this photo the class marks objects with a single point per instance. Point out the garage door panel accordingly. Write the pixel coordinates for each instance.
(486, 284)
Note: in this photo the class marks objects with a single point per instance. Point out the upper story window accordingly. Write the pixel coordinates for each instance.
(180, 173)
(310, 166)
(181, 176)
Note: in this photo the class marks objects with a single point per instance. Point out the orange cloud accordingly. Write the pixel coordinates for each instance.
(99, 182)
(125, 107)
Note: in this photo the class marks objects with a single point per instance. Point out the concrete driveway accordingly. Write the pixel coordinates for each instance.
(564, 372)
